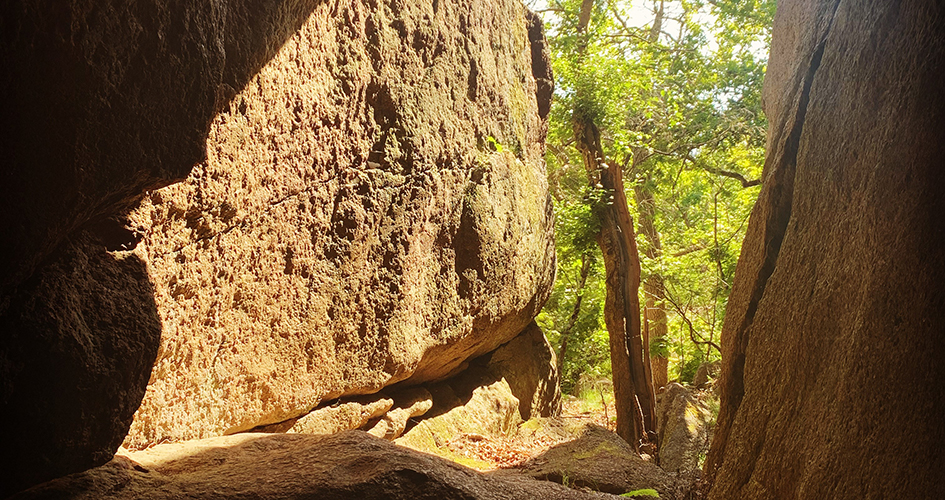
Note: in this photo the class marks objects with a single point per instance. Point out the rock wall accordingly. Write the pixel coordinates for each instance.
(373, 209)
(100, 102)
(368, 207)
(833, 340)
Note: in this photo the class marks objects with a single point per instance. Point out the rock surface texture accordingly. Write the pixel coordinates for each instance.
(833, 339)
(366, 205)
(683, 428)
(373, 210)
(351, 465)
(599, 460)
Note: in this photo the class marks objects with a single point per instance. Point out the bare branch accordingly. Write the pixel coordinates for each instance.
(725, 173)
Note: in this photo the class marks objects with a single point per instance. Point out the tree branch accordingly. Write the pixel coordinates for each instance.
(692, 329)
(725, 173)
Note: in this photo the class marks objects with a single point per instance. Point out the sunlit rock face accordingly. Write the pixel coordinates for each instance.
(833, 342)
(366, 205)
(373, 209)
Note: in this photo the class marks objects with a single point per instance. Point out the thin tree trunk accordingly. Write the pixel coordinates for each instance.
(653, 290)
(563, 349)
(633, 389)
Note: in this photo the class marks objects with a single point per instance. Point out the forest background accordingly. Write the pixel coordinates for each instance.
(672, 90)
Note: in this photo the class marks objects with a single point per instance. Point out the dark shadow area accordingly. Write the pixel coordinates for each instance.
(101, 102)
(349, 465)
(106, 100)
(76, 350)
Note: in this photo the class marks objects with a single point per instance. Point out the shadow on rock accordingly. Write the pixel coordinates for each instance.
(351, 465)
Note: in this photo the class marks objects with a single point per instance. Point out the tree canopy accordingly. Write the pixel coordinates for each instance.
(675, 90)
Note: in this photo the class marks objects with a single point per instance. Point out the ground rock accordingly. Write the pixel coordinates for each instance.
(599, 460)
(342, 415)
(72, 381)
(373, 210)
(833, 337)
(683, 426)
(350, 465)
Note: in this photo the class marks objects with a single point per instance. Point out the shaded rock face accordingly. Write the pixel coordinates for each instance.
(489, 410)
(368, 207)
(101, 101)
(351, 465)
(71, 381)
(373, 210)
(529, 365)
(833, 341)
(492, 396)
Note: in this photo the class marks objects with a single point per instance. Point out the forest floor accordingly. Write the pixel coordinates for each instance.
(496, 453)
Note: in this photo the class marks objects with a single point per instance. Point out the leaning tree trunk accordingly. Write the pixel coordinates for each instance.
(653, 290)
(633, 390)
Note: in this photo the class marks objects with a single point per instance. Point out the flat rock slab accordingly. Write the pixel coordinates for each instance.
(247, 466)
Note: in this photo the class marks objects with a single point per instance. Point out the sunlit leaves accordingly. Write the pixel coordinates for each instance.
(677, 98)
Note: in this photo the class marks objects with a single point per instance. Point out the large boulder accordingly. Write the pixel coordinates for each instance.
(100, 102)
(834, 337)
(351, 465)
(373, 210)
(369, 207)
(76, 349)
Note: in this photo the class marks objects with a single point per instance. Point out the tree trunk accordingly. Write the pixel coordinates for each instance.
(563, 349)
(633, 389)
(653, 290)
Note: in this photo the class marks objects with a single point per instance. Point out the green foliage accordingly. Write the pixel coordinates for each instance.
(679, 108)
(496, 146)
(659, 347)
(689, 366)
(646, 492)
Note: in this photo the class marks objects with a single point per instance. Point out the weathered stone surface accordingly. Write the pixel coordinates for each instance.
(476, 404)
(100, 102)
(71, 381)
(492, 396)
(373, 209)
(346, 414)
(350, 465)
(408, 403)
(599, 460)
(352, 222)
(683, 427)
(833, 338)
(96, 111)
(529, 365)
